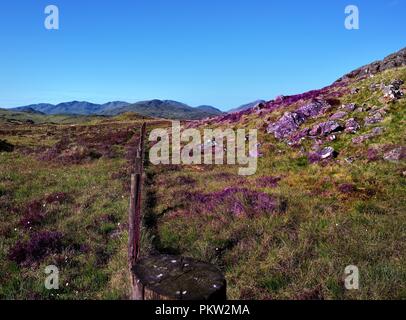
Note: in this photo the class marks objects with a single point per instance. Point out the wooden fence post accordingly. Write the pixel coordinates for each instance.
(165, 277)
(134, 222)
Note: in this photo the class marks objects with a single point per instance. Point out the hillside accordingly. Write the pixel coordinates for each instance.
(167, 109)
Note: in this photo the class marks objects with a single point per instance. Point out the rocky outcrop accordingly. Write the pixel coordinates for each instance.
(375, 116)
(394, 60)
(290, 122)
(325, 153)
(351, 126)
(393, 91)
(325, 128)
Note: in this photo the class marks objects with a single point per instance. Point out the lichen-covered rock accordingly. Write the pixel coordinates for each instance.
(285, 126)
(395, 154)
(349, 106)
(375, 117)
(325, 128)
(352, 126)
(297, 137)
(291, 121)
(354, 90)
(314, 109)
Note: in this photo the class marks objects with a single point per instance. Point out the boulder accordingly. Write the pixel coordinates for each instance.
(352, 126)
(395, 154)
(354, 90)
(291, 121)
(375, 117)
(338, 115)
(349, 106)
(286, 125)
(325, 128)
(325, 153)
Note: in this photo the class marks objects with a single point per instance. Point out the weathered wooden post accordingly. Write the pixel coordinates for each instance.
(165, 277)
(134, 234)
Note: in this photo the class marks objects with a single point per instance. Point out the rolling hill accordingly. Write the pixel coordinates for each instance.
(153, 108)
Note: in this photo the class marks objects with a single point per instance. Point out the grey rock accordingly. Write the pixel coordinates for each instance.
(325, 153)
(395, 154)
(349, 106)
(286, 125)
(291, 121)
(325, 128)
(374, 118)
(338, 115)
(374, 133)
(352, 126)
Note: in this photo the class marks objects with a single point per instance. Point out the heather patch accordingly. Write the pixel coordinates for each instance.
(268, 182)
(238, 202)
(34, 212)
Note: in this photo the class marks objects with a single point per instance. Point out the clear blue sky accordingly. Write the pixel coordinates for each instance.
(218, 52)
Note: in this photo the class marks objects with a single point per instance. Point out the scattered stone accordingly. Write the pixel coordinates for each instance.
(325, 128)
(5, 146)
(393, 91)
(377, 131)
(395, 154)
(349, 160)
(297, 137)
(372, 154)
(333, 137)
(338, 115)
(374, 132)
(324, 154)
(352, 126)
(355, 90)
(375, 117)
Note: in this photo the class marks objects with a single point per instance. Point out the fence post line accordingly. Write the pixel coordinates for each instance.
(134, 222)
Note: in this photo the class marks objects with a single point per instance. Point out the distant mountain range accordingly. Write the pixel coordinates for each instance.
(154, 108)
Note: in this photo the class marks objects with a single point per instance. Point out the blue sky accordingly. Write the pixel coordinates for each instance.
(218, 52)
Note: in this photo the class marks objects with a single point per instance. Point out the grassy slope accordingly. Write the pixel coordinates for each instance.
(301, 253)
